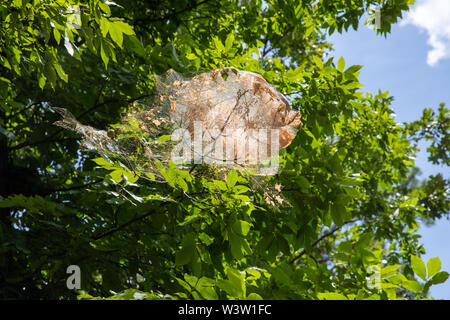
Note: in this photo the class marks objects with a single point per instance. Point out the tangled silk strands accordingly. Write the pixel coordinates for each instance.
(225, 117)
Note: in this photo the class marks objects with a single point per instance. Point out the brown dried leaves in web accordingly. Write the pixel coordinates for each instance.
(228, 98)
(224, 101)
(239, 112)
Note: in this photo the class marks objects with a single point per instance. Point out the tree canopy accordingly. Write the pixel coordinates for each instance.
(339, 219)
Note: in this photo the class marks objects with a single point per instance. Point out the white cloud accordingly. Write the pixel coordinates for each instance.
(433, 16)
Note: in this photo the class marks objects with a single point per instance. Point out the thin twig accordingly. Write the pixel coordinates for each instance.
(170, 15)
(77, 187)
(331, 232)
(23, 110)
(34, 143)
(124, 225)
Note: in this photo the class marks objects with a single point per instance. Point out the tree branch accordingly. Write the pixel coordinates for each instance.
(24, 109)
(98, 105)
(126, 224)
(35, 143)
(331, 232)
(77, 187)
(170, 15)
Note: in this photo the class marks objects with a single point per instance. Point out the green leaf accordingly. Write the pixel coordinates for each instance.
(205, 287)
(373, 297)
(418, 267)
(184, 284)
(60, 72)
(124, 27)
(304, 184)
(234, 285)
(318, 62)
(254, 296)
(341, 64)
(116, 175)
(231, 179)
(294, 75)
(104, 26)
(136, 45)
(187, 251)
(5, 80)
(41, 81)
(218, 44)
(236, 246)
(229, 287)
(130, 176)
(129, 294)
(352, 85)
(433, 266)
(116, 34)
(105, 8)
(50, 74)
(413, 286)
(57, 35)
(17, 3)
(229, 42)
(397, 278)
(182, 184)
(196, 263)
(104, 53)
(339, 213)
(191, 280)
(253, 274)
(331, 296)
(206, 239)
(169, 175)
(439, 277)
(389, 271)
(237, 279)
(220, 184)
(241, 227)
(102, 162)
(191, 56)
(238, 189)
(353, 69)
(388, 285)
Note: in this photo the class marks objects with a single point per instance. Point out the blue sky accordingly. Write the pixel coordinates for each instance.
(413, 63)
